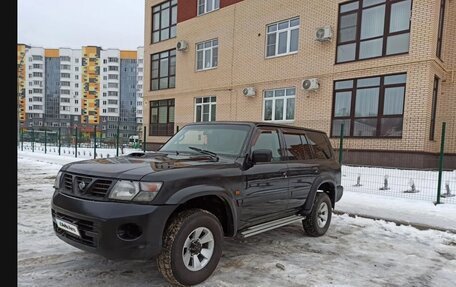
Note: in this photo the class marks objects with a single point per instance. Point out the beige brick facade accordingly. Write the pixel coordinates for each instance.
(241, 30)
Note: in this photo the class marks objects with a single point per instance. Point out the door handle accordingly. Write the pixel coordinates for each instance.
(284, 174)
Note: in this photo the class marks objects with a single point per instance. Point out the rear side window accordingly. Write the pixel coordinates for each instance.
(268, 139)
(320, 144)
(297, 147)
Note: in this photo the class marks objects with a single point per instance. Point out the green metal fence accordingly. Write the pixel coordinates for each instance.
(436, 184)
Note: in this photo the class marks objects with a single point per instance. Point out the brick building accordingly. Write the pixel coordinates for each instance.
(384, 68)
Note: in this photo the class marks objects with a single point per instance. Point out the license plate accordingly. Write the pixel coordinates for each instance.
(69, 227)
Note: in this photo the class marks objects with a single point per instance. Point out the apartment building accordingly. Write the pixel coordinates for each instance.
(383, 68)
(78, 88)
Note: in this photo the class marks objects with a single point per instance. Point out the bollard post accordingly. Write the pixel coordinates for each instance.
(76, 143)
(442, 150)
(144, 139)
(95, 141)
(341, 143)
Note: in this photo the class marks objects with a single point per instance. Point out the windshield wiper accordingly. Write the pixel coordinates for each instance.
(203, 151)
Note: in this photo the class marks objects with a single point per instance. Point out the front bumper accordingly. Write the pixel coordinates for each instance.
(98, 223)
(339, 192)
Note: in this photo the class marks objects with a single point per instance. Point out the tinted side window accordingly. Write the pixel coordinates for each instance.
(268, 140)
(320, 145)
(297, 147)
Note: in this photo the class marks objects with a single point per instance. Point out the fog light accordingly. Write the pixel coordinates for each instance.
(129, 231)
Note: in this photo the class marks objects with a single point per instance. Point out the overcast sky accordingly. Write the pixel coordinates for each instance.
(76, 23)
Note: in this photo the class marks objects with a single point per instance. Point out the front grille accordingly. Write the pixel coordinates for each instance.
(86, 228)
(86, 187)
(68, 181)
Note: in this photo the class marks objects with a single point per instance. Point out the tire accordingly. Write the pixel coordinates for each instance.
(322, 209)
(180, 238)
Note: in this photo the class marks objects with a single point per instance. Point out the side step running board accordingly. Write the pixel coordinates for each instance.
(270, 225)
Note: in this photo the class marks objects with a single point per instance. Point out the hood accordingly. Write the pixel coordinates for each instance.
(136, 165)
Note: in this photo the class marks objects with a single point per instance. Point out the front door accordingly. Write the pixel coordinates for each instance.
(266, 192)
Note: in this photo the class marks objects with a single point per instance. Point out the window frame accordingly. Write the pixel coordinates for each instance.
(274, 98)
(441, 28)
(435, 96)
(198, 5)
(386, 25)
(277, 32)
(169, 56)
(170, 22)
(170, 103)
(204, 49)
(380, 109)
(301, 134)
(202, 104)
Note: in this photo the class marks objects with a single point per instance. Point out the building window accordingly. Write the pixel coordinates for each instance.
(113, 76)
(65, 59)
(113, 60)
(282, 38)
(279, 104)
(37, 58)
(369, 107)
(206, 6)
(113, 85)
(205, 109)
(373, 28)
(164, 21)
(65, 67)
(113, 68)
(65, 75)
(162, 118)
(441, 26)
(37, 66)
(207, 55)
(435, 93)
(163, 70)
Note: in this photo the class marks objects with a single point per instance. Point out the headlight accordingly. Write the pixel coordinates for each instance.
(134, 190)
(57, 180)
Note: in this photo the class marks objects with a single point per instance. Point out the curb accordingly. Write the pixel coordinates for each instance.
(419, 226)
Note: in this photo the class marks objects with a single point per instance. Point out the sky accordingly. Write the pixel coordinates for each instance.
(75, 23)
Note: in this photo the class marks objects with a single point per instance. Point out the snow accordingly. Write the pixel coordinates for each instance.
(354, 252)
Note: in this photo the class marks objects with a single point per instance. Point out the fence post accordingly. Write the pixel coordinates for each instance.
(144, 139)
(76, 143)
(442, 150)
(22, 139)
(95, 141)
(33, 140)
(341, 143)
(60, 140)
(117, 140)
(45, 141)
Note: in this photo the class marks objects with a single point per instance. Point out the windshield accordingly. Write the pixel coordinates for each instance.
(220, 139)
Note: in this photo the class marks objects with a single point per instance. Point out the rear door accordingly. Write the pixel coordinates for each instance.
(266, 192)
(302, 169)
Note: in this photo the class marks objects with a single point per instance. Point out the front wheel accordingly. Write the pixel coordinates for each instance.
(317, 223)
(192, 247)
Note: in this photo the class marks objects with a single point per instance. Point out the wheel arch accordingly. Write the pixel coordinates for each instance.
(216, 201)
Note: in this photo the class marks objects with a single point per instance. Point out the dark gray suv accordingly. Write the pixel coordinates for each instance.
(209, 181)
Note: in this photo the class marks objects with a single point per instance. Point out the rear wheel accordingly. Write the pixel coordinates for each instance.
(192, 247)
(317, 223)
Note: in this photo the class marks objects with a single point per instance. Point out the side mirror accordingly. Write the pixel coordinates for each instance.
(262, 155)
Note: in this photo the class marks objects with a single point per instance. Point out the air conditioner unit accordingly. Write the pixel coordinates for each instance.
(182, 46)
(249, 92)
(323, 34)
(310, 84)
